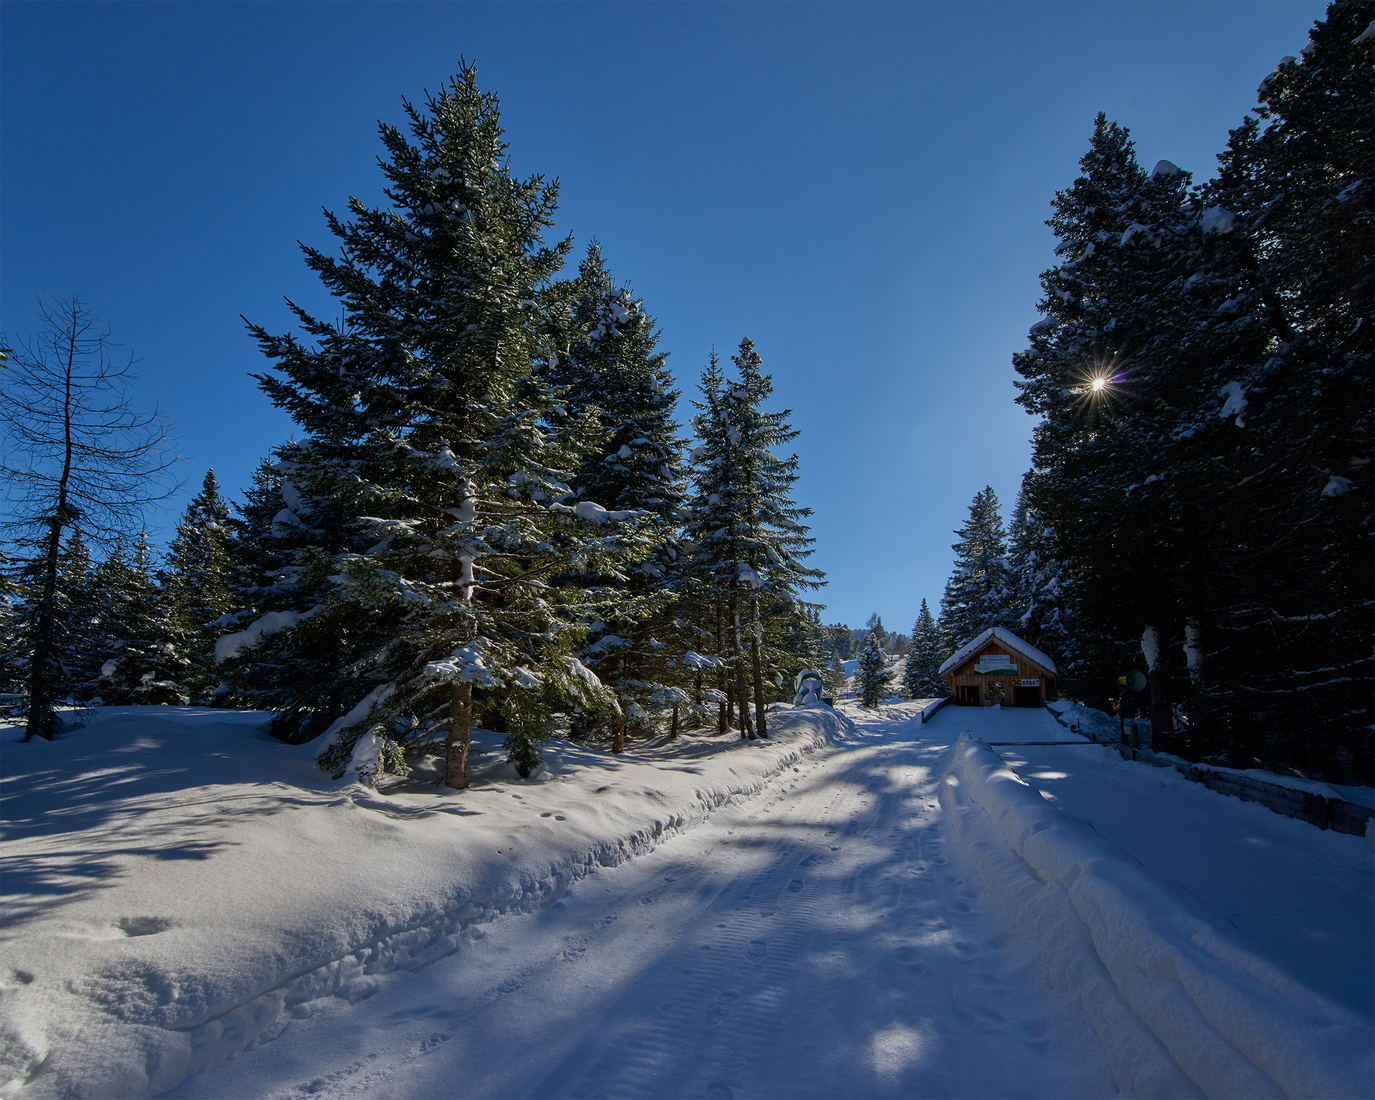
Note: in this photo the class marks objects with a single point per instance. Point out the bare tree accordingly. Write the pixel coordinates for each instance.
(76, 452)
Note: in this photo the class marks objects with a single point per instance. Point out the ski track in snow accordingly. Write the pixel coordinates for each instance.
(823, 938)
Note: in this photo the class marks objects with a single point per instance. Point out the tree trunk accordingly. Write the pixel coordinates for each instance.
(460, 736)
(741, 692)
(673, 723)
(618, 735)
(42, 718)
(760, 722)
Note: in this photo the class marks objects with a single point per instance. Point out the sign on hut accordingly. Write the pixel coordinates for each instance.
(999, 669)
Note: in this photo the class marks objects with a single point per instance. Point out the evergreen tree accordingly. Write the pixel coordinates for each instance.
(612, 372)
(199, 579)
(432, 455)
(834, 675)
(744, 535)
(20, 606)
(139, 632)
(924, 658)
(1044, 614)
(872, 677)
(981, 591)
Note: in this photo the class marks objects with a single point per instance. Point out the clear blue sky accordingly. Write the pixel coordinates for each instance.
(860, 188)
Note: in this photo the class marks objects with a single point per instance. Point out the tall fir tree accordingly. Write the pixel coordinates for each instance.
(921, 679)
(139, 632)
(429, 438)
(744, 534)
(199, 579)
(981, 591)
(610, 370)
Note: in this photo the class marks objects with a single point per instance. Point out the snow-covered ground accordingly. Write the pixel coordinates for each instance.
(825, 915)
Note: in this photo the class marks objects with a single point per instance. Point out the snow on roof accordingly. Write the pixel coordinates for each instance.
(1009, 639)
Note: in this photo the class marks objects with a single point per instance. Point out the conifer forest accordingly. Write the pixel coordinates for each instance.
(492, 514)
(504, 547)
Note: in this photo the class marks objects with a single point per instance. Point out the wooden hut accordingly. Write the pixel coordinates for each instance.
(999, 669)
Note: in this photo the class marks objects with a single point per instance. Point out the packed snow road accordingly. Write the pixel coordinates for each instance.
(824, 938)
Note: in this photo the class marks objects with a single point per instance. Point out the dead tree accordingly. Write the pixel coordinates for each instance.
(76, 453)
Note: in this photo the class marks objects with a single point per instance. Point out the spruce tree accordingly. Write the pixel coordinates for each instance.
(981, 591)
(744, 534)
(139, 632)
(199, 578)
(431, 446)
(924, 658)
(610, 370)
(873, 676)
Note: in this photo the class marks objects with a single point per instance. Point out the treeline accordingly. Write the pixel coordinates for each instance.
(488, 518)
(1200, 497)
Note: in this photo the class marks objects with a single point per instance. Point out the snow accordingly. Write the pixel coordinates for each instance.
(1234, 403)
(1007, 638)
(1336, 486)
(1217, 219)
(213, 881)
(1192, 1009)
(1367, 35)
(855, 908)
(1164, 169)
(586, 509)
(231, 645)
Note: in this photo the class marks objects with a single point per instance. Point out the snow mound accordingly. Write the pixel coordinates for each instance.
(1181, 1011)
(180, 885)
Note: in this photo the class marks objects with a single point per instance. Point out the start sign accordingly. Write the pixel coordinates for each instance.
(1029, 683)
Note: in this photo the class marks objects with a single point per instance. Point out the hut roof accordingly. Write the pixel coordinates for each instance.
(1009, 639)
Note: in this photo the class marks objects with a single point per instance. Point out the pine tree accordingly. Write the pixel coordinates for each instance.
(198, 581)
(872, 677)
(1103, 373)
(744, 533)
(1280, 653)
(139, 632)
(924, 658)
(834, 675)
(20, 603)
(981, 591)
(611, 370)
(431, 443)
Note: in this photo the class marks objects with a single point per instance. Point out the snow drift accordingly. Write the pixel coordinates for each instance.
(181, 885)
(1180, 1010)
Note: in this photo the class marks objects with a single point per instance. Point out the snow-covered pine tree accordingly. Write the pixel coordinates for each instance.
(428, 429)
(1044, 598)
(611, 370)
(981, 591)
(873, 676)
(924, 657)
(744, 532)
(199, 578)
(1102, 371)
(19, 600)
(874, 627)
(144, 639)
(835, 677)
(1281, 651)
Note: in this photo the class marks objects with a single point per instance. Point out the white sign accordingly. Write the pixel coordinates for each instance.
(1029, 683)
(991, 662)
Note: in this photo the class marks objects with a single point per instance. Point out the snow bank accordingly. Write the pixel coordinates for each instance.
(181, 885)
(1181, 1011)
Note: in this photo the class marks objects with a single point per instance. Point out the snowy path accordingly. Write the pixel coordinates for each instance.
(821, 939)
(1298, 897)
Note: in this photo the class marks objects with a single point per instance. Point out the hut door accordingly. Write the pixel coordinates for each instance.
(1026, 696)
(969, 697)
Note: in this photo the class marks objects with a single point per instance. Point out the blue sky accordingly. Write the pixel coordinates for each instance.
(859, 188)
